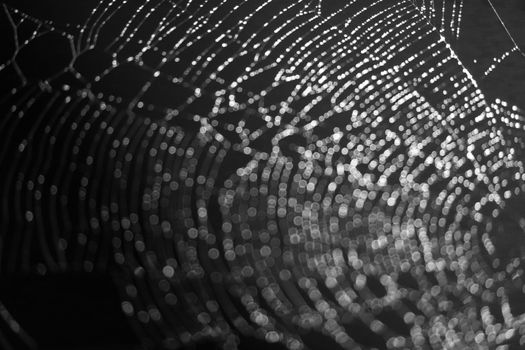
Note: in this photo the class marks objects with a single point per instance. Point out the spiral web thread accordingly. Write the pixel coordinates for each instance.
(269, 170)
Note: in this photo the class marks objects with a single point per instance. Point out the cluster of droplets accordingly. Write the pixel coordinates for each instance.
(445, 15)
(268, 170)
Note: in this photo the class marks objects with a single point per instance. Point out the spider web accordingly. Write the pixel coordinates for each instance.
(487, 41)
(270, 169)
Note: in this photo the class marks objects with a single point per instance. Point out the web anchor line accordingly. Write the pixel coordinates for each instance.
(506, 29)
